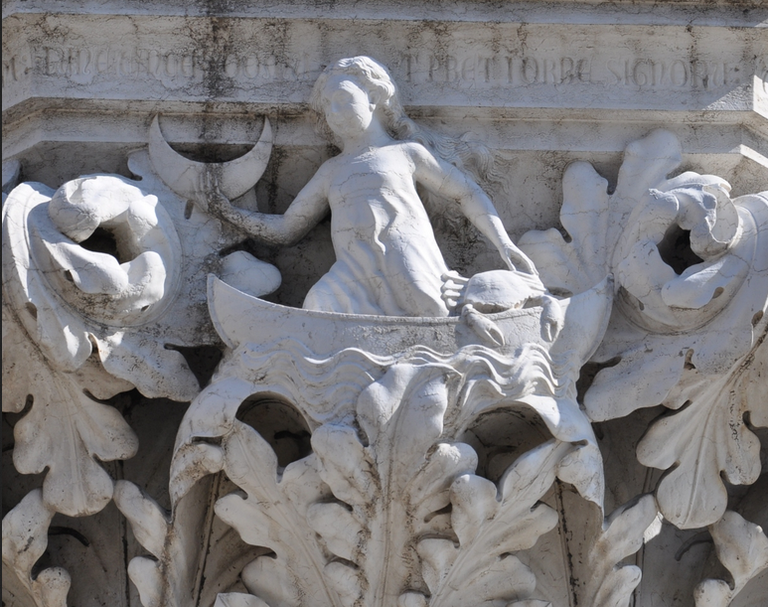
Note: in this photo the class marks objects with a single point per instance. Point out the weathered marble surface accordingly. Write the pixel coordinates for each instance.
(622, 67)
(595, 437)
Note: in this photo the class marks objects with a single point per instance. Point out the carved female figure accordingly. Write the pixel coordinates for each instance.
(387, 259)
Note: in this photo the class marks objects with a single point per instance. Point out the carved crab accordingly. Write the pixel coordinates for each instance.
(499, 290)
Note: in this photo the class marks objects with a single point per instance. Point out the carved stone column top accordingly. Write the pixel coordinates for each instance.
(385, 304)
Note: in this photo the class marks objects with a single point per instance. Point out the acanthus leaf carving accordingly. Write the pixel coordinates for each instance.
(151, 528)
(390, 507)
(82, 301)
(238, 599)
(594, 220)
(743, 548)
(604, 580)
(75, 484)
(88, 320)
(707, 439)
(574, 265)
(696, 330)
(169, 577)
(401, 418)
(379, 445)
(115, 295)
(708, 380)
(25, 538)
(269, 517)
(491, 525)
(399, 424)
(149, 521)
(694, 341)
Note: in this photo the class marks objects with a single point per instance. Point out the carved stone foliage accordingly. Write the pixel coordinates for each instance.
(24, 540)
(389, 482)
(389, 490)
(691, 296)
(103, 285)
(743, 548)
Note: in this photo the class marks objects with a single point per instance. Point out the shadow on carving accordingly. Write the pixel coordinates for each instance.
(280, 424)
(500, 437)
(675, 250)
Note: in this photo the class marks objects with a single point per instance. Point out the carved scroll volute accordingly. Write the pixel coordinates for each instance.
(99, 294)
(121, 288)
(698, 371)
(689, 325)
(655, 294)
(63, 373)
(92, 290)
(61, 304)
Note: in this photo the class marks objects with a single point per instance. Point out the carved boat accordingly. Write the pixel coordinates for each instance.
(240, 318)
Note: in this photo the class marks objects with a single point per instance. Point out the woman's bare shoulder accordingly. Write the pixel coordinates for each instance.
(416, 149)
(419, 157)
(327, 170)
(330, 165)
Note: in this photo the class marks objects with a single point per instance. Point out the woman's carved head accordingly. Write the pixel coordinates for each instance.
(370, 76)
(373, 78)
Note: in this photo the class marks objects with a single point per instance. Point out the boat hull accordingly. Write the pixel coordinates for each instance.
(240, 318)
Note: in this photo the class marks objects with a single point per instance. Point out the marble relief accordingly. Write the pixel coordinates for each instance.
(401, 495)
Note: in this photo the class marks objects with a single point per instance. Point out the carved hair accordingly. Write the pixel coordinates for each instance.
(374, 78)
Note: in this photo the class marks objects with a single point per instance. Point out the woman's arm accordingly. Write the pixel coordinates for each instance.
(447, 181)
(304, 213)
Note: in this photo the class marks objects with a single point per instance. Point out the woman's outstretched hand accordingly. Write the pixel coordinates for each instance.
(216, 203)
(268, 228)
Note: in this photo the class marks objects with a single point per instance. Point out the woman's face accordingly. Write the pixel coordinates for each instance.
(348, 108)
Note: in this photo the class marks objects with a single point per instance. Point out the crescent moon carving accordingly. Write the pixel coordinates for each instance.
(184, 176)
